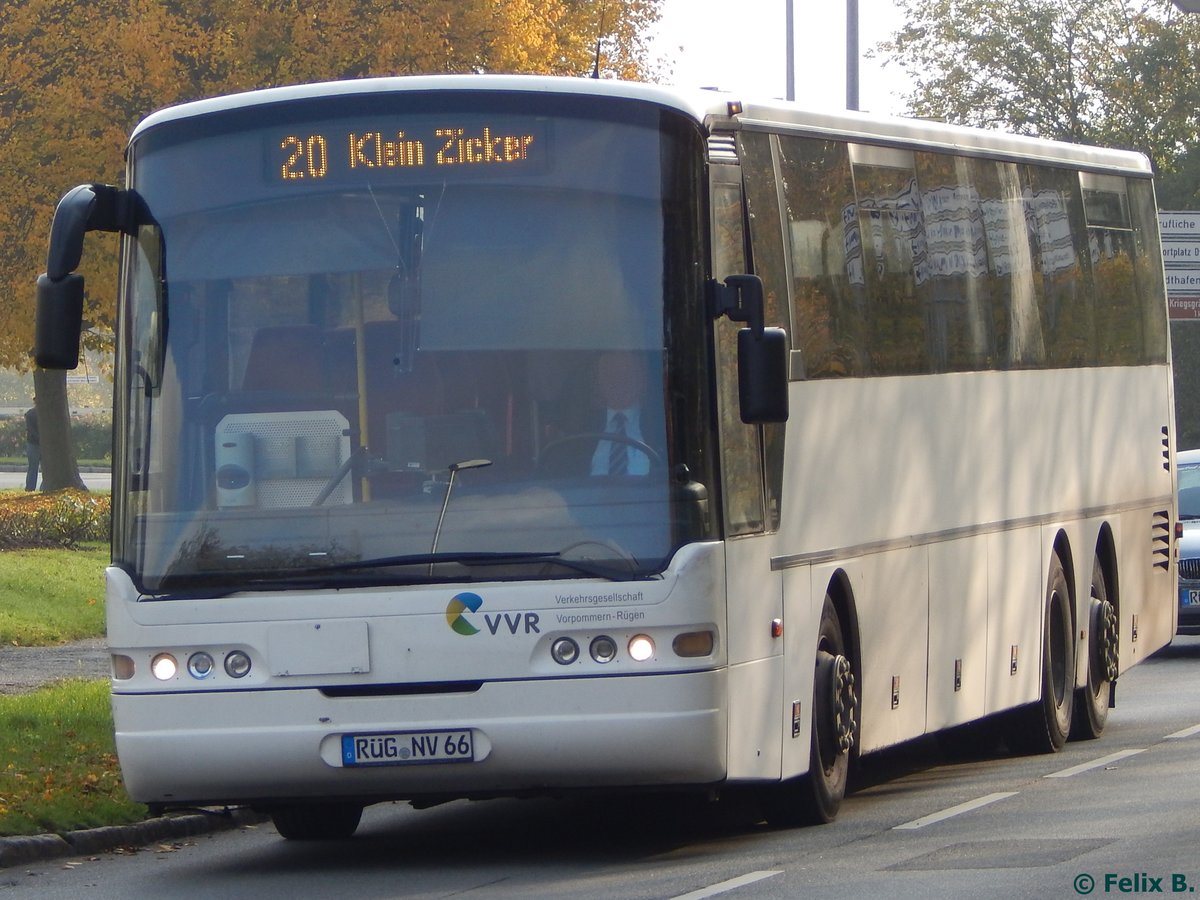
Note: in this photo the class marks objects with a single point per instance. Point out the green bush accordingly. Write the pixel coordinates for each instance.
(92, 434)
(60, 519)
(12, 436)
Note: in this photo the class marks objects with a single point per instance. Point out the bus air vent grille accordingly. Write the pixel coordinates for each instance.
(722, 148)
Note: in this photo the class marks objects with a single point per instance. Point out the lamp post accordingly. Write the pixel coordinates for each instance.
(791, 50)
(851, 50)
(852, 54)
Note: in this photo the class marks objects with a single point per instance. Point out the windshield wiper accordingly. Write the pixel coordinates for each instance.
(466, 558)
(326, 576)
(330, 577)
(472, 559)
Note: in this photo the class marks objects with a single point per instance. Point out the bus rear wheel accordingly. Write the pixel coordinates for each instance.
(1043, 727)
(816, 797)
(1091, 701)
(317, 821)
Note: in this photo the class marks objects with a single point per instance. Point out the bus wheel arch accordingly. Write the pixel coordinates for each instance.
(1044, 725)
(840, 594)
(1101, 618)
(815, 797)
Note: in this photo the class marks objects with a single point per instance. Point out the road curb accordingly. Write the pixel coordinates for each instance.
(36, 848)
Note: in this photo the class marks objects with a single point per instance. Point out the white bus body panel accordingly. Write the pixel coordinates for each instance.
(756, 666)
(958, 602)
(243, 746)
(939, 499)
(1016, 589)
(538, 725)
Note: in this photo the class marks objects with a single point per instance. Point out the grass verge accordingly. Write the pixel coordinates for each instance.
(58, 765)
(51, 596)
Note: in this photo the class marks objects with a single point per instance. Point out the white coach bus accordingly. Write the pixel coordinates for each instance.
(491, 435)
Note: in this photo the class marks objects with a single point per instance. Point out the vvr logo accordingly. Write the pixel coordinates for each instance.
(497, 623)
(460, 605)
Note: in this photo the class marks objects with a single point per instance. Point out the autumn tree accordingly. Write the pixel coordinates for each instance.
(1121, 73)
(76, 76)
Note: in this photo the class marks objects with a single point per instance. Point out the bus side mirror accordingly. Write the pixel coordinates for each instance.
(59, 322)
(762, 375)
(762, 352)
(59, 317)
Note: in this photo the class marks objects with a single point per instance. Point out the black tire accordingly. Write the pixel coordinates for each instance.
(317, 821)
(816, 797)
(1043, 727)
(1091, 700)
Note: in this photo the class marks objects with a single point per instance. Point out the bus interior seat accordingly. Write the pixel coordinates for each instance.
(480, 380)
(282, 358)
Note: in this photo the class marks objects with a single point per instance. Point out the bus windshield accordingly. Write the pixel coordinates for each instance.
(389, 342)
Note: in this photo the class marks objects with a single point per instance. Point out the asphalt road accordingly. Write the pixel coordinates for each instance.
(95, 481)
(1103, 818)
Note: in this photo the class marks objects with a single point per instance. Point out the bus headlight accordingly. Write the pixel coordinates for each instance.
(164, 666)
(237, 664)
(603, 649)
(200, 665)
(641, 647)
(564, 651)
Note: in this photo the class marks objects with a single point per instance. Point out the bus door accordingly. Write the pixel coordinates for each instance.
(754, 592)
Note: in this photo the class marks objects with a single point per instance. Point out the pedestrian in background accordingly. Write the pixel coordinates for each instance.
(33, 449)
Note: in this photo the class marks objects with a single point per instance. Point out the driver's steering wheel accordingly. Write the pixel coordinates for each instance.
(554, 447)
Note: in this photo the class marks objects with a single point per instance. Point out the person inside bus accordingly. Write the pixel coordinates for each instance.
(611, 401)
(620, 384)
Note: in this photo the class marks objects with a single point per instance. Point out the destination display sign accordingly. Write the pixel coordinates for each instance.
(396, 149)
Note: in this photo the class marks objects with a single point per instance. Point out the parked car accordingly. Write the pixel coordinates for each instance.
(1188, 463)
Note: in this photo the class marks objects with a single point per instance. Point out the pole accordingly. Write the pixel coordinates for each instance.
(791, 50)
(852, 54)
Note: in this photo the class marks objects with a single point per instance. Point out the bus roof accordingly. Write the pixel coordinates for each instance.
(708, 107)
(926, 133)
(697, 104)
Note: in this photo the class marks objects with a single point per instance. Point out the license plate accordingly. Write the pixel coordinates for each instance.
(407, 748)
(1190, 596)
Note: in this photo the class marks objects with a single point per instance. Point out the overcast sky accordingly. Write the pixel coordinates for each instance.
(740, 45)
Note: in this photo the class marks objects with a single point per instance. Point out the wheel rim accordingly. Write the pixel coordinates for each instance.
(1105, 645)
(836, 705)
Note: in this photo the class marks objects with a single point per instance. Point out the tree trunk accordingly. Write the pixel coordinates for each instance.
(59, 466)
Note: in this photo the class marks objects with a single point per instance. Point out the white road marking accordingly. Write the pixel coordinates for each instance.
(1095, 763)
(1186, 733)
(741, 881)
(954, 811)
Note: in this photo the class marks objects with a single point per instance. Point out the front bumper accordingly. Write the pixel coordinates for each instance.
(538, 736)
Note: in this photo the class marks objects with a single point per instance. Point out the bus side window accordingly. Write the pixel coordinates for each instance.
(825, 250)
(741, 459)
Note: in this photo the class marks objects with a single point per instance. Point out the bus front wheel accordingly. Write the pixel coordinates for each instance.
(317, 821)
(815, 798)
